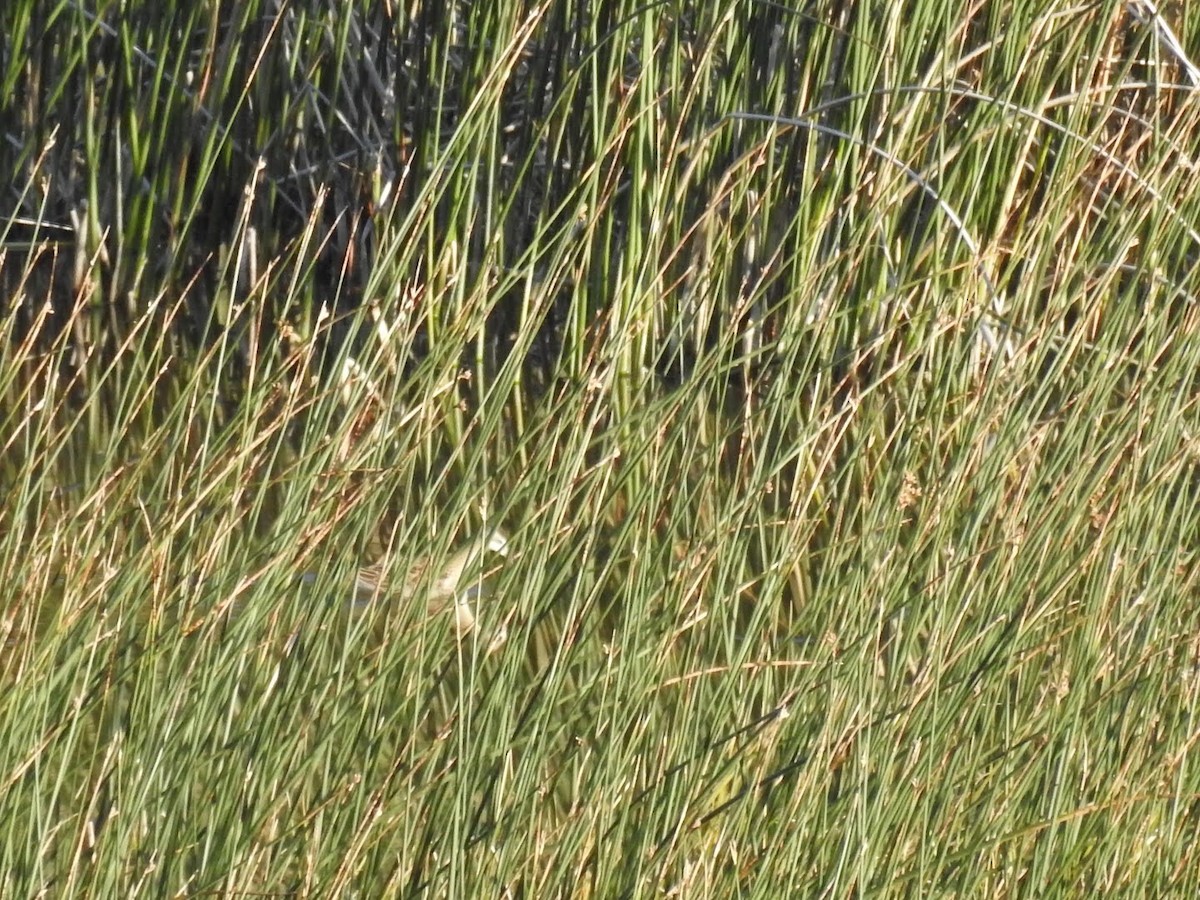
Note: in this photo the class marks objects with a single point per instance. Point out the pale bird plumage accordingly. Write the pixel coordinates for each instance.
(440, 590)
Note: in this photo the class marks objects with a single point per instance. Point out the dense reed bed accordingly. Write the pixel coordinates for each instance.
(829, 371)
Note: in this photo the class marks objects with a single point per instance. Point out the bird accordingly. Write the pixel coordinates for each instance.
(439, 591)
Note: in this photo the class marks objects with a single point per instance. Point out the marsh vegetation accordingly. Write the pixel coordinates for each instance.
(830, 370)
